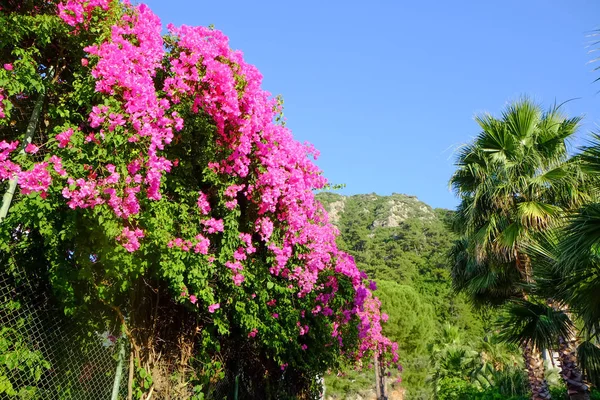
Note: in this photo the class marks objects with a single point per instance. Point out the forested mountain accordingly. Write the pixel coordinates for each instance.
(402, 240)
(402, 243)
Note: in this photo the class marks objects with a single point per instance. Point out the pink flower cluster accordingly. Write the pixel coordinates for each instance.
(213, 225)
(236, 267)
(37, 179)
(124, 67)
(200, 244)
(2, 114)
(205, 68)
(64, 138)
(303, 329)
(231, 193)
(83, 194)
(203, 203)
(370, 332)
(272, 172)
(75, 12)
(129, 238)
(31, 148)
(8, 169)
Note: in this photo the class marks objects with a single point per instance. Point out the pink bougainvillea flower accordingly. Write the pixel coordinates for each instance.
(2, 113)
(37, 179)
(214, 307)
(231, 204)
(203, 204)
(238, 279)
(31, 148)
(8, 67)
(193, 299)
(64, 138)
(129, 238)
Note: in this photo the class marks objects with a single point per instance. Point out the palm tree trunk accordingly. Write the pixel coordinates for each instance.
(577, 389)
(535, 372)
(532, 356)
(569, 371)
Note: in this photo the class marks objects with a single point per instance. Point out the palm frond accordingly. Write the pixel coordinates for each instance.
(581, 244)
(588, 356)
(580, 289)
(484, 282)
(551, 176)
(537, 214)
(508, 239)
(521, 118)
(535, 323)
(594, 48)
(590, 156)
(542, 249)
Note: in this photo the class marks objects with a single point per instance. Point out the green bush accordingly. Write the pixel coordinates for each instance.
(21, 367)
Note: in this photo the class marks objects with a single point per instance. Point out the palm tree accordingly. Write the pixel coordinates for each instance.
(452, 358)
(485, 364)
(514, 180)
(554, 319)
(579, 256)
(578, 264)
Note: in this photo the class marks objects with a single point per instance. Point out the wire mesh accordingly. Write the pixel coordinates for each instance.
(43, 355)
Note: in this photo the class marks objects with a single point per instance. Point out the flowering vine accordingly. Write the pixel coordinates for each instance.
(248, 220)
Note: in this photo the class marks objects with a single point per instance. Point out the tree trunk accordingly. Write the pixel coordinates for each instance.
(569, 371)
(380, 381)
(535, 372)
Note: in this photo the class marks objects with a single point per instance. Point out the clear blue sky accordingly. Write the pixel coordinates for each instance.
(387, 90)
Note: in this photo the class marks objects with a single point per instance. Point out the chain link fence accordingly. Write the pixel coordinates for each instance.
(45, 356)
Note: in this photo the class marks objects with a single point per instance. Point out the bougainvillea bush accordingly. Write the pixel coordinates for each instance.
(167, 195)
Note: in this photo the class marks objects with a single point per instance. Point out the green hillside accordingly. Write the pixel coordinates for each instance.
(400, 239)
(401, 242)
(444, 342)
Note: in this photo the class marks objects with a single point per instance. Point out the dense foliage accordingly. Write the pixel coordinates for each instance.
(156, 183)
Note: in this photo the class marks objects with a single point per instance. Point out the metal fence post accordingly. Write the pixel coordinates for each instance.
(236, 387)
(119, 370)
